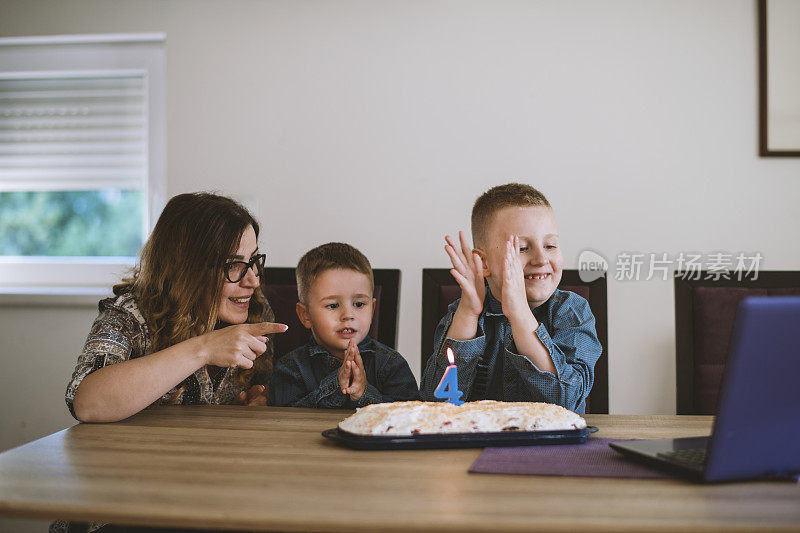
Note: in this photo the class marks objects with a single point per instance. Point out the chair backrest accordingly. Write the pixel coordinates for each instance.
(439, 290)
(705, 310)
(280, 288)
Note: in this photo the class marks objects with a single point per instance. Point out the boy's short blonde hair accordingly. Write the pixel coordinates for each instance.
(330, 256)
(497, 198)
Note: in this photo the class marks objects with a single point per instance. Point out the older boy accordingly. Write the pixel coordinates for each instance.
(515, 335)
(340, 367)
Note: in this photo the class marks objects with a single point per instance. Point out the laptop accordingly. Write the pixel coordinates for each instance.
(756, 433)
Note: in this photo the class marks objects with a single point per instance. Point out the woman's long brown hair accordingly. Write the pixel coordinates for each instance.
(178, 282)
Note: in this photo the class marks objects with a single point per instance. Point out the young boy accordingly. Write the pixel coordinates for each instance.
(520, 338)
(340, 367)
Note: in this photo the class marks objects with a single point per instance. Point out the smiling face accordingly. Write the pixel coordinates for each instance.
(540, 255)
(235, 298)
(338, 308)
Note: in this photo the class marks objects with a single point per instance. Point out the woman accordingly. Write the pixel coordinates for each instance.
(190, 326)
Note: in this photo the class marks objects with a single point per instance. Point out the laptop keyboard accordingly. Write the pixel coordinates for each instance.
(694, 458)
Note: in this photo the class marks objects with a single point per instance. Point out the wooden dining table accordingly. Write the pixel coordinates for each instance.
(270, 469)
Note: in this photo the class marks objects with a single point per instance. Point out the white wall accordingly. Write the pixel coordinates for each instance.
(38, 345)
(379, 122)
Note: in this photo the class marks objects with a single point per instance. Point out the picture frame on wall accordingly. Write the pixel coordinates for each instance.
(779, 78)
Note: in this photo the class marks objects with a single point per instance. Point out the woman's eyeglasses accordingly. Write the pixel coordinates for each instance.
(235, 271)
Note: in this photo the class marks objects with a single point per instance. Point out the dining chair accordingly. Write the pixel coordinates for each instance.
(439, 290)
(280, 288)
(705, 310)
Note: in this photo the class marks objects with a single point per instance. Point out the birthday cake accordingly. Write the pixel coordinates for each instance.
(486, 416)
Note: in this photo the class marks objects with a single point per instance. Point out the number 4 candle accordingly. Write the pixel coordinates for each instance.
(448, 387)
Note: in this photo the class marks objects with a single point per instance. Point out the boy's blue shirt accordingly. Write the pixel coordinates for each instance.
(567, 330)
(308, 377)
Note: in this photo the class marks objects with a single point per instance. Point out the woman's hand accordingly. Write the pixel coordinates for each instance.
(257, 395)
(468, 272)
(237, 345)
(100, 398)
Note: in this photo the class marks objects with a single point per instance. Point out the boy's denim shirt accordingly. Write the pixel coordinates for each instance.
(308, 377)
(566, 328)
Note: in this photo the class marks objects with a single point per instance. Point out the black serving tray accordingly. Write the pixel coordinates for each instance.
(459, 440)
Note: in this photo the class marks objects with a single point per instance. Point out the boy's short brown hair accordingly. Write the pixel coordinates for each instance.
(495, 199)
(330, 256)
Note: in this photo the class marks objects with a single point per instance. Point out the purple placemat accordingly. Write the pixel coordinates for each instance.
(593, 459)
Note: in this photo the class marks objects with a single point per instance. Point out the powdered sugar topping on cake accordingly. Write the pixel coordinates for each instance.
(487, 416)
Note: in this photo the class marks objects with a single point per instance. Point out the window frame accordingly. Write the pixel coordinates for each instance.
(28, 276)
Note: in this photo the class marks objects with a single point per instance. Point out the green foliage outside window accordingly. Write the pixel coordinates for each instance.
(72, 223)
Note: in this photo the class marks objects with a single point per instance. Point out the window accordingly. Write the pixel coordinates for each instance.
(81, 157)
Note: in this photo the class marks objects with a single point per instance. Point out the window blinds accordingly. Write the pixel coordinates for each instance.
(73, 130)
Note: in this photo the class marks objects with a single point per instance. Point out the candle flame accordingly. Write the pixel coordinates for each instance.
(450, 356)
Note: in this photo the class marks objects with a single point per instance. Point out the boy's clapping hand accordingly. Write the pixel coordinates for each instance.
(514, 298)
(352, 377)
(468, 272)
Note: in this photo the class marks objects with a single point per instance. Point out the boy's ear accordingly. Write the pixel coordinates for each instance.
(302, 314)
(372, 315)
(486, 273)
